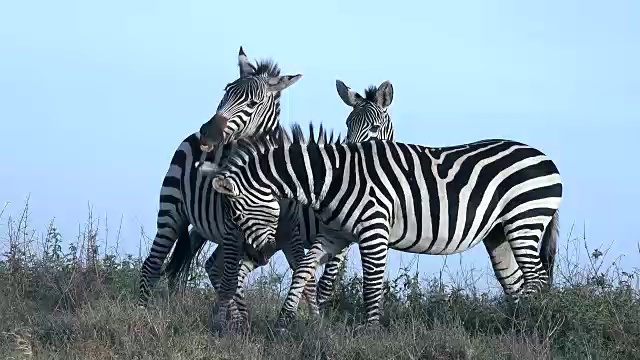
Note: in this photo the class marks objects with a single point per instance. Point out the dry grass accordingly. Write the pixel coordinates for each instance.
(72, 303)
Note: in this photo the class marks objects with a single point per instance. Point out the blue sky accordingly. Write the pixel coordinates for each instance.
(96, 96)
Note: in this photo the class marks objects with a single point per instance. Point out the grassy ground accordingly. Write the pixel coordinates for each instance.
(60, 303)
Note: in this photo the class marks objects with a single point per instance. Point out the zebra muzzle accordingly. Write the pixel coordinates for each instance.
(212, 132)
(205, 145)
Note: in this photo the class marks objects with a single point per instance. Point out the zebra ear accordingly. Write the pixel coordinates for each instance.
(246, 67)
(347, 95)
(384, 95)
(280, 83)
(225, 186)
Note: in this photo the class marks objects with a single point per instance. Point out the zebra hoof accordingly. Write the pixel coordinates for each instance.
(218, 328)
(219, 324)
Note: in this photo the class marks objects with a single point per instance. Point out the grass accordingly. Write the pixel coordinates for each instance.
(77, 302)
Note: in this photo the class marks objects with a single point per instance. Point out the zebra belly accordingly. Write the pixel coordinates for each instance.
(425, 243)
(335, 239)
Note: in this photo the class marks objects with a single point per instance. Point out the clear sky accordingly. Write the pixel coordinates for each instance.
(96, 96)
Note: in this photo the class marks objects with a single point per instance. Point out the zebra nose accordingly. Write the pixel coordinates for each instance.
(205, 145)
(212, 132)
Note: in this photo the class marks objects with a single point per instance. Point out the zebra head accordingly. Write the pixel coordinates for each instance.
(254, 200)
(255, 213)
(254, 207)
(369, 117)
(250, 104)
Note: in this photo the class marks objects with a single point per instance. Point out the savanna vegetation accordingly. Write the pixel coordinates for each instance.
(75, 299)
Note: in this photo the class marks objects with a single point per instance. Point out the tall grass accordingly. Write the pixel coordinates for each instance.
(77, 301)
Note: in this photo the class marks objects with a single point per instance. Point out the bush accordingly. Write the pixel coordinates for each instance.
(79, 303)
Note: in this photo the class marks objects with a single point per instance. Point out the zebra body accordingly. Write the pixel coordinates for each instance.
(407, 197)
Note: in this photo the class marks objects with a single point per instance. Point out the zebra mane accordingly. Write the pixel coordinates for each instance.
(238, 151)
(279, 137)
(323, 136)
(370, 93)
(267, 67)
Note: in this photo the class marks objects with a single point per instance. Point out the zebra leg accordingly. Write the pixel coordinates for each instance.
(229, 282)
(240, 314)
(329, 276)
(301, 275)
(504, 263)
(373, 255)
(170, 225)
(523, 236)
(294, 253)
(310, 296)
(214, 266)
(289, 239)
(309, 292)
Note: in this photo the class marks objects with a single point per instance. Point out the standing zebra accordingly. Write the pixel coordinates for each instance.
(369, 118)
(250, 105)
(298, 225)
(406, 197)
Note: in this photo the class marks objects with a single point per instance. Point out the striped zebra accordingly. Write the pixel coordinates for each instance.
(369, 118)
(407, 197)
(298, 225)
(250, 105)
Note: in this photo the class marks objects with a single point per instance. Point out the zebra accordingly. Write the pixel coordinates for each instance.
(250, 105)
(369, 118)
(408, 197)
(298, 225)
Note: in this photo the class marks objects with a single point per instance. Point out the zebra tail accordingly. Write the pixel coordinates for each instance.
(549, 246)
(179, 264)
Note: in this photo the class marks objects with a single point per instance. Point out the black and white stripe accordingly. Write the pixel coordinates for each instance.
(407, 197)
(250, 105)
(298, 225)
(369, 118)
